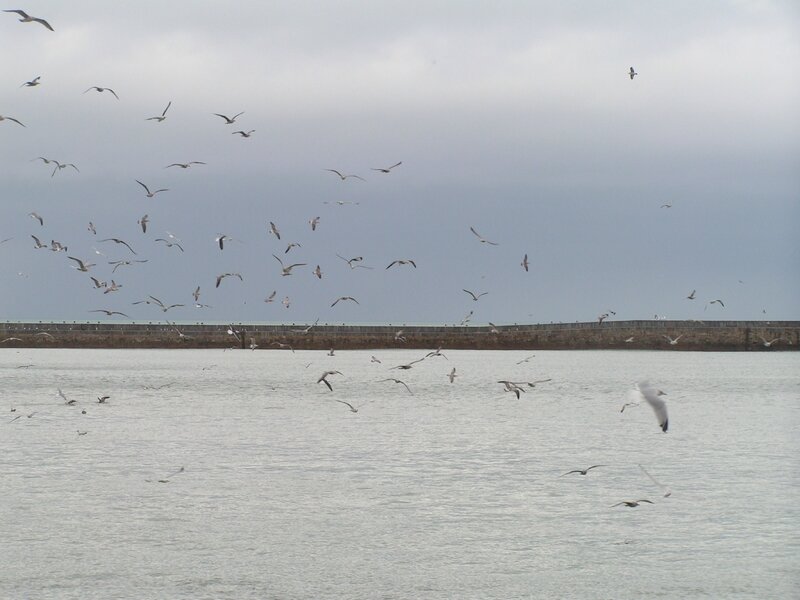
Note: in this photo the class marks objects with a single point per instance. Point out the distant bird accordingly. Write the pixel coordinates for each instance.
(220, 239)
(92, 228)
(331, 352)
(341, 298)
(143, 223)
(102, 399)
(288, 270)
(196, 294)
(60, 166)
(119, 241)
(493, 328)
(452, 375)
(524, 263)
(314, 222)
(185, 165)
(253, 344)
(353, 262)
(373, 359)
(510, 386)
(150, 194)
(602, 318)
(400, 382)
(4, 118)
(97, 88)
(474, 296)
(435, 353)
(286, 302)
(305, 330)
(32, 83)
(112, 287)
(324, 378)
(280, 345)
(767, 344)
(388, 169)
(274, 230)
(26, 18)
(244, 134)
(631, 503)
(629, 340)
(526, 359)
(352, 408)
(407, 366)
(466, 318)
(110, 312)
(292, 245)
(343, 177)
(398, 336)
(318, 272)
(271, 297)
(36, 216)
(123, 263)
(716, 302)
(627, 404)
(664, 489)
(632, 73)
(691, 296)
(98, 284)
(82, 266)
(64, 397)
(39, 244)
(582, 471)
(666, 206)
(402, 262)
(81, 432)
(163, 114)
(169, 244)
(653, 398)
(673, 342)
(224, 275)
(229, 120)
(482, 239)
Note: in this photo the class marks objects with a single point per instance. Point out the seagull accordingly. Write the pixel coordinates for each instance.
(629, 340)
(632, 73)
(286, 302)
(340, 298)
(466, 318)
(352, 408)
(524, 263)
(66, 401)
(435, 353)
(164, 307)
(314, 222)
(482, 240)
(602, 317)
(150, 194)
(143, 223)
(373, 359)
(60, 166)
(253, 344)
(169, 244)
(102, 89)
(232, 331)
(196, 294)
(36, 216)
(768, 344)
(92, 228)
(324, 378)
(305, 330)
(398, 336)
(292, 245)
(4, 118)
(673, 342)
(163, 114)
(244, 134)
(407, 366)
(716, 302)
(110, 312)
(46, 334)
(185, 165)
(494, 328)
(357, 259)
(32, 83)
(666, 206)
(119, 241)
(652, 396)
(271, 297)
(452, 375)
(102, 399)
(474, 297)
(398, 381)
(123, 263)
(224, 275)
(318, 272)
(39, 244)
(527, 359)
(112, 288)
(665, 490)
(56, 246)
(220, 239)
(288, 270)
(402, 262)
(582, 471)
(274, 230)
(631, 503)
(280, 345)
(510, 386)
(343, 177)
(387, 169)
(82, 266)
(98, 284)
(26, 18)
(229, 120)
(627, 404)
(691, 296)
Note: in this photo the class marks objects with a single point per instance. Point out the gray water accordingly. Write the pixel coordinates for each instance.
(452, 492)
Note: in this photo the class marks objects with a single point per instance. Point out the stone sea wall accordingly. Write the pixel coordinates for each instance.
(647, 335)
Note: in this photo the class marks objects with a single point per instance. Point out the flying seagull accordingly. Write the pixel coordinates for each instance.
(524, 263)
(224, 275)
(691, 296)
(119, 241)
(26, 18)
(292, 245)
(324, 378)
(60, 166)
(244, 134)
(185, 165)
(482, 239)
(288, 270)
(229, 120)
(82, 266)
(475, 297)
(340, 298)
(652, 396)
(673, 342)
(32, 83)
(716, 302)
(631, 503)
(582, 471)
(350, 262)
(400, 382)
(39, 244)
(2, 118)
(402, 262)
(664, 489)
(343, 177)
(169, 244)
(163, 114)
(766, 343)
(387, 169)
(314, 222)
(150, 194)
(36, 216)
(632, 73)
(274, 230)
(352, 408)
(102, 89)
(143, 223)
(110, 312)
(452, 375)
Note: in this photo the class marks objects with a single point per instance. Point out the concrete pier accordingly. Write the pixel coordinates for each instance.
(647, 335)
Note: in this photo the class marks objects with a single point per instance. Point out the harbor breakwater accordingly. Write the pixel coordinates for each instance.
(630, 335)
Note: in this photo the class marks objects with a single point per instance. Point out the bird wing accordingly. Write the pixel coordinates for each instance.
(651, 395)
(43, 22)
(166, 109)
(146, 189)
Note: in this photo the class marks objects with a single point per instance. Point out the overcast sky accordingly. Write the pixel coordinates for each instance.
(517, 118)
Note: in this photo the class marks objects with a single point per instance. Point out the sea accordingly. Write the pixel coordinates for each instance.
(235, 474)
